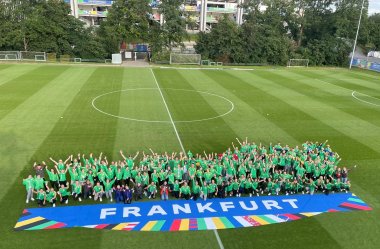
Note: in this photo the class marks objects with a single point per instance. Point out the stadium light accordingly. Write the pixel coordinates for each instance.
(357, 33)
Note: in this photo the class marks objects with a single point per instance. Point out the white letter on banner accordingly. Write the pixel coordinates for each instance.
(107, 211)
(202, 208)
(253, 203)
(156, 209)
(226, 205)
(291, 202)
(186, 209)
(131, 210)
(270, 203)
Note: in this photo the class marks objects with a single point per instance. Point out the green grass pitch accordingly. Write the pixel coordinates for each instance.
(270, 105)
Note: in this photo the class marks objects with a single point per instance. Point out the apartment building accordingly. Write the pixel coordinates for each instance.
(204, 13)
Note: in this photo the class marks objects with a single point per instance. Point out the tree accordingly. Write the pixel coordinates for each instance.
(127, 21)
(374, 32)
(174, 26)
(223, 43)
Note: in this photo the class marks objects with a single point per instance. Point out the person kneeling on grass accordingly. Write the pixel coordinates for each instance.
(51, 196)
(152, 190)
(184, 191)
(64, 194)
(98, 192)
(77, 191)
(41, 197)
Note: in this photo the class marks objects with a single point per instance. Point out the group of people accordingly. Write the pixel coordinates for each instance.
(248, 169)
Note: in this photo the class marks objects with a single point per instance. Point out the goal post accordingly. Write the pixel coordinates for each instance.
(33, 56)
(9, 55)
(298, 63)
(185, 59)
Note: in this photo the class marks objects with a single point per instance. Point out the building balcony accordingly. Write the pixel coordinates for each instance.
(95, 13)
(95, 2)
(221, 10)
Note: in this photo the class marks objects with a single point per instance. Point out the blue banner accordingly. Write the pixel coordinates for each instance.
(175, 215)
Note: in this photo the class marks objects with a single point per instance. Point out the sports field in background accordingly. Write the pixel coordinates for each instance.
(55, 110)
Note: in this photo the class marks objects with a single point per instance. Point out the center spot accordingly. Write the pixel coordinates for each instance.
(146, 105)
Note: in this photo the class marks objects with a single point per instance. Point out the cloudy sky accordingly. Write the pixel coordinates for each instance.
(374, 6)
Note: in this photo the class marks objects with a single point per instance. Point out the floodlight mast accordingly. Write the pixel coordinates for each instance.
(357, 33)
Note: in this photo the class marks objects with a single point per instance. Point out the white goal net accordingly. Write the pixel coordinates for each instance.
(9, 55)
(186, 59)
(298, 63)
(33, 56)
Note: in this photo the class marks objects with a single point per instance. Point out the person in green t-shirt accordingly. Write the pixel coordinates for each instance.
(195, 190)
(204, 191)
(77, 191)
(108, 188)
(64, 194)
(152, 190)
(53, 177)
(51, 196)
(98, 192)
(29, 186)
(41, 197)
(184, 191)
(176, 188)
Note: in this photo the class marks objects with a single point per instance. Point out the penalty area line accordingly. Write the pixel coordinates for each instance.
(180, 142)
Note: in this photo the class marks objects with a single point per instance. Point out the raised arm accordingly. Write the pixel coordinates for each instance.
(51, 159)
(138, 152)
(237, 139)
(67, 159)
(122, 155)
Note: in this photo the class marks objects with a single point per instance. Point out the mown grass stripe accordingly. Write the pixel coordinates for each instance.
(345, 125)
(25, 85)
(197, 134)
(79, 131)
(341, 100)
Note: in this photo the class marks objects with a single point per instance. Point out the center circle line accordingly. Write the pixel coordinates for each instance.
(162, 121)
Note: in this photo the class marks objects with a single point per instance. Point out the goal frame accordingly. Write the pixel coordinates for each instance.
(32, 56)
(196, 61)
(9, 55)
(298, 64)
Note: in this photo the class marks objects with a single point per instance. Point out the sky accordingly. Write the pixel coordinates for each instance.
(374, 6)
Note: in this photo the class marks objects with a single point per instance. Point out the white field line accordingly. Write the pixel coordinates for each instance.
(180, 142)
(170, 115)
(353, 95)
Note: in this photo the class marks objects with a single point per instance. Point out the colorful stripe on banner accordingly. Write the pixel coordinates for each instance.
(175, 225)
(354, 206)
(37, 223)
(155, 225)
(193, 224)
(356, 200)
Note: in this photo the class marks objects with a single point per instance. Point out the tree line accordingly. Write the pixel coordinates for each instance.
(273, 30)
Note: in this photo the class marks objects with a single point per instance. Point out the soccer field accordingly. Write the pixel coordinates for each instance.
(58, 110)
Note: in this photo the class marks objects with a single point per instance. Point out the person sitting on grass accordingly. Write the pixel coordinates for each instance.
(51, 196)
(41, 197)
